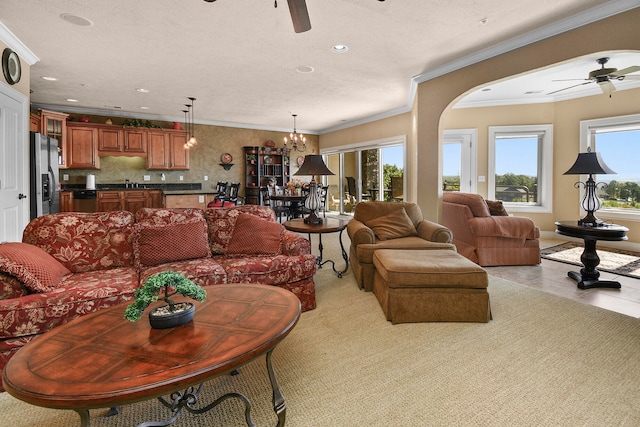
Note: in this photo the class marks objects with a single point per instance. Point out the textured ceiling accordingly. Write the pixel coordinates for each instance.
(239, 57)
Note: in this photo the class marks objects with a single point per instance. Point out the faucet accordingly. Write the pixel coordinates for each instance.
(126, 183)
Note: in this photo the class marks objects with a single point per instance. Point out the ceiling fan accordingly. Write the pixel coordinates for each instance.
(299, 14)
(604, 76)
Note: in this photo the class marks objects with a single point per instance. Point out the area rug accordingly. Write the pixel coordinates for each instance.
(542, 361)
(625, 263)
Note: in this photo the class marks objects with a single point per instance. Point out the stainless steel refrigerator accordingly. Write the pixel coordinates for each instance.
(43, 155)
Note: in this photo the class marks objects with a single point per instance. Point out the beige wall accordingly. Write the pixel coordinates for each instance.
(436, 96)
(213, 141)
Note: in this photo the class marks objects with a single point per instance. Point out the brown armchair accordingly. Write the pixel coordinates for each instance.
(418, 233)
(486, 239)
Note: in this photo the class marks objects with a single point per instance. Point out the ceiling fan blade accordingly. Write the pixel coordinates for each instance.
(299, 15)
(570, 87)
(627, 70)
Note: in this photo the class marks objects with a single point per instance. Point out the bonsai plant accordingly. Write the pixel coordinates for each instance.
(163, 286)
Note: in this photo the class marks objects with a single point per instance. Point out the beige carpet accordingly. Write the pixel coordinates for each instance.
(542, 361)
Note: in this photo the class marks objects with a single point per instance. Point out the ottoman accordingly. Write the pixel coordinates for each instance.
(430, 286)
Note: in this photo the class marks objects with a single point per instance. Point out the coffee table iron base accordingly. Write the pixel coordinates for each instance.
(189, 398)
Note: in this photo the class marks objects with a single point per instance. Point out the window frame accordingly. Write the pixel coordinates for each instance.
(545, 165)
(588, 128)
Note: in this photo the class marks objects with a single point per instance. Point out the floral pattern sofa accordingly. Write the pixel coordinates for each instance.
(71, 264)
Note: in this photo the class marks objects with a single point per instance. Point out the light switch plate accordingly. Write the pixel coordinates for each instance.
(65, 177)
(181, 178)
(481, 178)
(206, 178)
(147, 177)
(200, 199)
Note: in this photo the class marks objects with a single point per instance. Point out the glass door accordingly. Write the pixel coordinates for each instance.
(370, 172)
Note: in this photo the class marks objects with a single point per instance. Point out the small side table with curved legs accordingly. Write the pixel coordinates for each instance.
(329, 225)
(589, 276)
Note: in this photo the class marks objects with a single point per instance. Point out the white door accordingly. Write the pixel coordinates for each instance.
(14, 165)
(459, 160)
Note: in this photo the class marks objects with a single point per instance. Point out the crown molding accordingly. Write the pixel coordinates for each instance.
(17, 46)
(598, 13)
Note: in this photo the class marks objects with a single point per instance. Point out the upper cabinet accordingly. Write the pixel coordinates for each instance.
(82, 146)
(165, 150)
(53, 124)
(119, 141)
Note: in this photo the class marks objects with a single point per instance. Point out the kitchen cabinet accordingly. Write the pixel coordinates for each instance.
(135, 142)
(66, 201)
(54, 124)
(165, 150)
(110, 201)
(129, 200)
(155, 199)
(82, 146)
(134, 200)
(116, 141)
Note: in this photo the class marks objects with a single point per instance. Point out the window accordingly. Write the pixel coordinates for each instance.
(617, 139)
(520, 166)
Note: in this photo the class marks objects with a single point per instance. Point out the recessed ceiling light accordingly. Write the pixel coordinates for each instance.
(340, 48)
(144, 108)
(532, 92)
(72, 100)
(49, 79)
(305, 69)
(486, 89)
(142, 90)
(76, 20)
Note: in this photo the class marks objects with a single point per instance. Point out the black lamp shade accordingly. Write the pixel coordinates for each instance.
(589, 163)
(313, 165)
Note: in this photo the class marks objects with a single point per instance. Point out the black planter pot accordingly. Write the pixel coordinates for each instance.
(171, 320)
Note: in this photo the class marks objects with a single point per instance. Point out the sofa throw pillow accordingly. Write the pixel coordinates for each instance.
(159, 244)
(39, 271)
(496, 208)
(255, 236)
(393, 225)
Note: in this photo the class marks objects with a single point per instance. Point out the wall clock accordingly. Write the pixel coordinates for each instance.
(11, 67)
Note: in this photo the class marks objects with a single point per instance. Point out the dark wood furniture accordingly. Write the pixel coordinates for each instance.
(293, 202)
(589, 274)
(102, 360)
(329, 225)
(264, 166)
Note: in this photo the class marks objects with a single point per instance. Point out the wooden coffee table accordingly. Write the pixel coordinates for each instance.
(102, 360)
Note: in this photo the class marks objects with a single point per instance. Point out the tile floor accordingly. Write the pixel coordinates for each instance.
(551, 276)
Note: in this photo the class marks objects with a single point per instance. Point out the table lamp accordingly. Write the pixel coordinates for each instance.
(313, 165)
(592, 164)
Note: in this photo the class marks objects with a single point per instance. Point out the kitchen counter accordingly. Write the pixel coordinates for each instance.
(184, 192)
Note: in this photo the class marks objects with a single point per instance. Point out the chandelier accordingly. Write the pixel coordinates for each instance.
(298, 141)
(189, 124)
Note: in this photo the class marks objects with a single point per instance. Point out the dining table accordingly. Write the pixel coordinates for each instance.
(294, 201)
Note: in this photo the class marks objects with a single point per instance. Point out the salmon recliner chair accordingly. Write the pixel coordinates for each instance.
(390, 225)
(486, 239)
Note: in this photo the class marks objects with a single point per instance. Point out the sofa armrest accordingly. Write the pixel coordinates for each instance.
(359, 233)
(434, 232)
(518, 227)
(293, 244)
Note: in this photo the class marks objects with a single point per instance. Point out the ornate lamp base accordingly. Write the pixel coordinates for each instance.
(313, 219)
